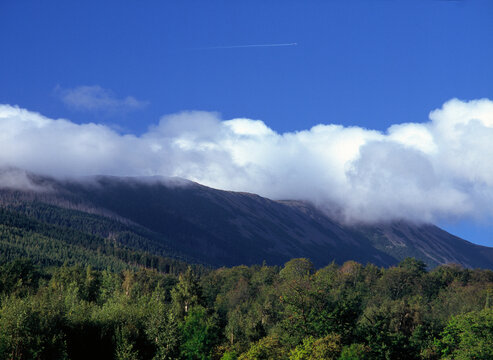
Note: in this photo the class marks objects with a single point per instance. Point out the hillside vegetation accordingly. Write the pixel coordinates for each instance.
(53, 236)
(258, 312)
(179, 219)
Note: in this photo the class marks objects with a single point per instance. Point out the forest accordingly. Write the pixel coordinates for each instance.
(348, 311)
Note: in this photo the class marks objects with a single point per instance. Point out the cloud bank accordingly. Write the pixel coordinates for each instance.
(95, 98)
(438, 170)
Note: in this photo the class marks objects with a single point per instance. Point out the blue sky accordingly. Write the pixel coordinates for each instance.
(369, 64)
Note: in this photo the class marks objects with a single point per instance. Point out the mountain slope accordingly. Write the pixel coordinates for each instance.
(172, 217)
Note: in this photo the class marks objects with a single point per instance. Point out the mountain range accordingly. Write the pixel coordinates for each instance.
(178, 219)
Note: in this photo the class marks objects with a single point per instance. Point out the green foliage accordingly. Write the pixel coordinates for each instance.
(166, 336)
(186, 293)
(19, 277)
(266, 348)
(326, 348)
(355, 352)
(199, 334)
(414, 266)
(304, 350)
(31, 329)
(296, 292)
(387, 328)
(229, 355)
(469, 336)
(259, 312)
(124, 347)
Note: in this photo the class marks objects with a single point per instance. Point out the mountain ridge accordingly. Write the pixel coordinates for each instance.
(177, 217)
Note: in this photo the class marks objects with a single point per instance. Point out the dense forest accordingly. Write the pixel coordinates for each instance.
(348, 311)
(53, 236)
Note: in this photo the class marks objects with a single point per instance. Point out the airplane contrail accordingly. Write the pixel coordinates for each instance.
(245, 46)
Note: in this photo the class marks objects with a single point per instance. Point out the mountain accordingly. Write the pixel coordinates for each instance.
(179, 219)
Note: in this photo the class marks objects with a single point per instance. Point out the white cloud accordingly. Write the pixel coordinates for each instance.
(438, 170)
(95, 98)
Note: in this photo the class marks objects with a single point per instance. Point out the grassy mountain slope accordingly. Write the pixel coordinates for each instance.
(188, 221)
